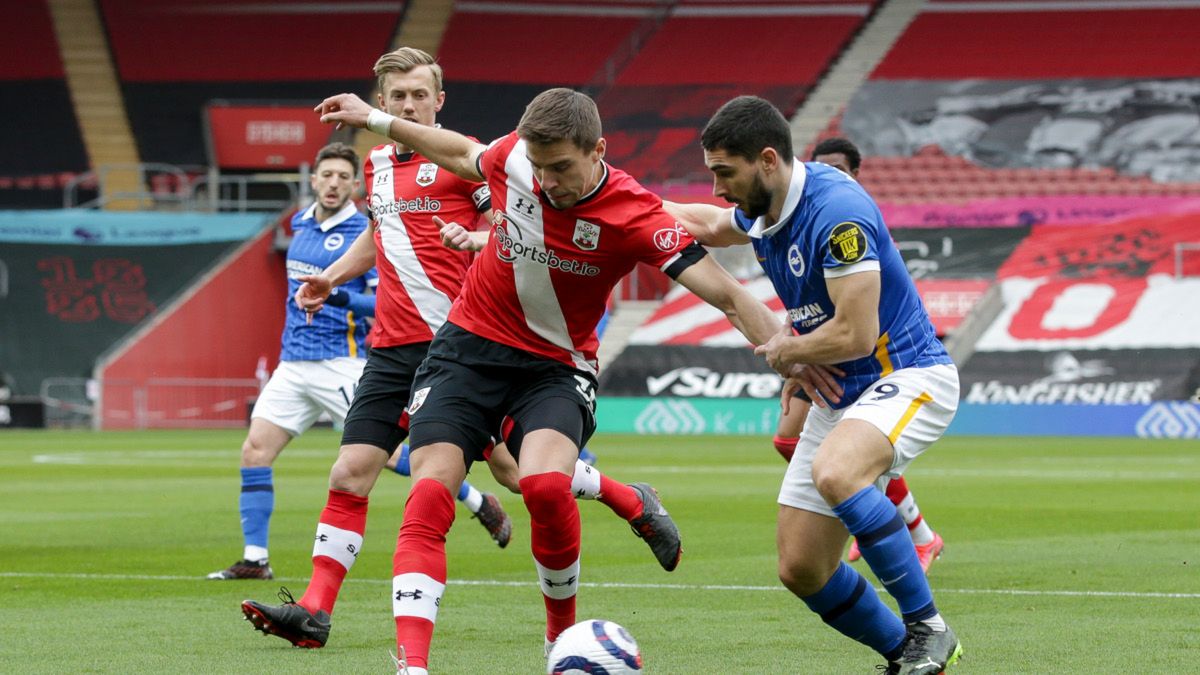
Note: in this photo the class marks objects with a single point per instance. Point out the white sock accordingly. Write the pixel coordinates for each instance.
(936, 622)
(585, 482)
(473, 500)
(921, 534)
(255, 553)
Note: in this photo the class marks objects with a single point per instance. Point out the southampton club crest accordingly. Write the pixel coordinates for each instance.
(587, 235)
(426, 174)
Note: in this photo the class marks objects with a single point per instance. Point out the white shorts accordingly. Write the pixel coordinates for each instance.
(911, 406)
(299, 391)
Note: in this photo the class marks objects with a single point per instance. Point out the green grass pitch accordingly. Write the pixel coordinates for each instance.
(1062, 556)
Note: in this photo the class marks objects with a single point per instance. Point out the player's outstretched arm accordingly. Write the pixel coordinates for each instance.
(708, 280)
(708, 224)
(448, 149)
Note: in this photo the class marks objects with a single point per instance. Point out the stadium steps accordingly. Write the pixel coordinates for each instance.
(423, 25)
(624, 320)
(851, 70)
(99, 106)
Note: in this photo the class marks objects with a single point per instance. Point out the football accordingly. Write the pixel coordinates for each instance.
(596, 647)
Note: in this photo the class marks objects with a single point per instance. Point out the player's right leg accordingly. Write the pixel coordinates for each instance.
(419, 563)
(283, 410)
(484, 506)
(340, 530)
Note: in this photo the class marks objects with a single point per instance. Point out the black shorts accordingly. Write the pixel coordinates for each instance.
(376, 415)
(471, 390)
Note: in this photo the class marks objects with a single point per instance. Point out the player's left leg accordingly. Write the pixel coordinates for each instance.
(908, 410)
(637, 503)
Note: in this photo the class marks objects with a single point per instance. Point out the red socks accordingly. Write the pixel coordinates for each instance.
(338, 542)
(622, 499)
(554, 537)
(786, 447)
(419, 567)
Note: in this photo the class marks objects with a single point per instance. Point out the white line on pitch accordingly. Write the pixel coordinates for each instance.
(616, 584)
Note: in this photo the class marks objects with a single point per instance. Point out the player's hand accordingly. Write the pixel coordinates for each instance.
(455, 236)
(344, 109)
(775, 351)
(818, 379)
(311, 295)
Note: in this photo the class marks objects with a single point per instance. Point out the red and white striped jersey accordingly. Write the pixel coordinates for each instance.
(418, 277)
(542, 282)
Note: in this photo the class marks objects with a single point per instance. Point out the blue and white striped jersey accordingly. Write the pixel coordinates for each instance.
(830, 227)
(334, 331)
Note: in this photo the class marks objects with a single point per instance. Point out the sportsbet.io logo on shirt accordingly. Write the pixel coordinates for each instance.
(509, 248)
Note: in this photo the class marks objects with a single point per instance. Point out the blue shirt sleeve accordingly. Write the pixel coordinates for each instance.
(846, 231)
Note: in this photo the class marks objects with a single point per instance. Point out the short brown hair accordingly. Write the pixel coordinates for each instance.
(338, 151)
(561, 114)
(405, 59)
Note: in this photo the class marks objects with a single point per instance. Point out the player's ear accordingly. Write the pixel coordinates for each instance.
(601, 146)
(441, 101)
(769, 158)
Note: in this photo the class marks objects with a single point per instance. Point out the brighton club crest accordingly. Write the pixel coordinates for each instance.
(426, 174)
(587, 235)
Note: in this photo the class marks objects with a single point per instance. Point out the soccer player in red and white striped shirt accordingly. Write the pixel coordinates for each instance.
(518, 350)
(408, 196)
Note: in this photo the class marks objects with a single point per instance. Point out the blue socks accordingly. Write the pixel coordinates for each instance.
(402, 467)
(849, 604)
(888, 548)
(255, 504)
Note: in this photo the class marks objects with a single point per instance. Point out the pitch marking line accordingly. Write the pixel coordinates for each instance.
(611, 584)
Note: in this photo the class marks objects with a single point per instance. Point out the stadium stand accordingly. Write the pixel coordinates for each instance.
(661, 97)
(1034, 108)
(35, 166)
(174, 56)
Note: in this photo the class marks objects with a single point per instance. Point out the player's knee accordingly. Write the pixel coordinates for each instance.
(256, 454)
(544, 493)
(832, 481)
(348, 476)
(798, 577)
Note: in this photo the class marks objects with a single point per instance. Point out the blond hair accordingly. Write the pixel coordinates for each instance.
(405, 59)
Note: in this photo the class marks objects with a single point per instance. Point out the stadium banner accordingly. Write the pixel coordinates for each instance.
(1006, 212)
(684, 319)
(690, 371)
(759, 417)
(1094, 377)
(1139, 127)
(1110, 286)
(111, 228)
(264, 137)
(956, 252)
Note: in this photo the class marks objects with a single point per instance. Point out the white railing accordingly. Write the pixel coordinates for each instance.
(154, 403)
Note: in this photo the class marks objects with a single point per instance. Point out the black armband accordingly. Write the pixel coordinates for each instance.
(688, 256)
